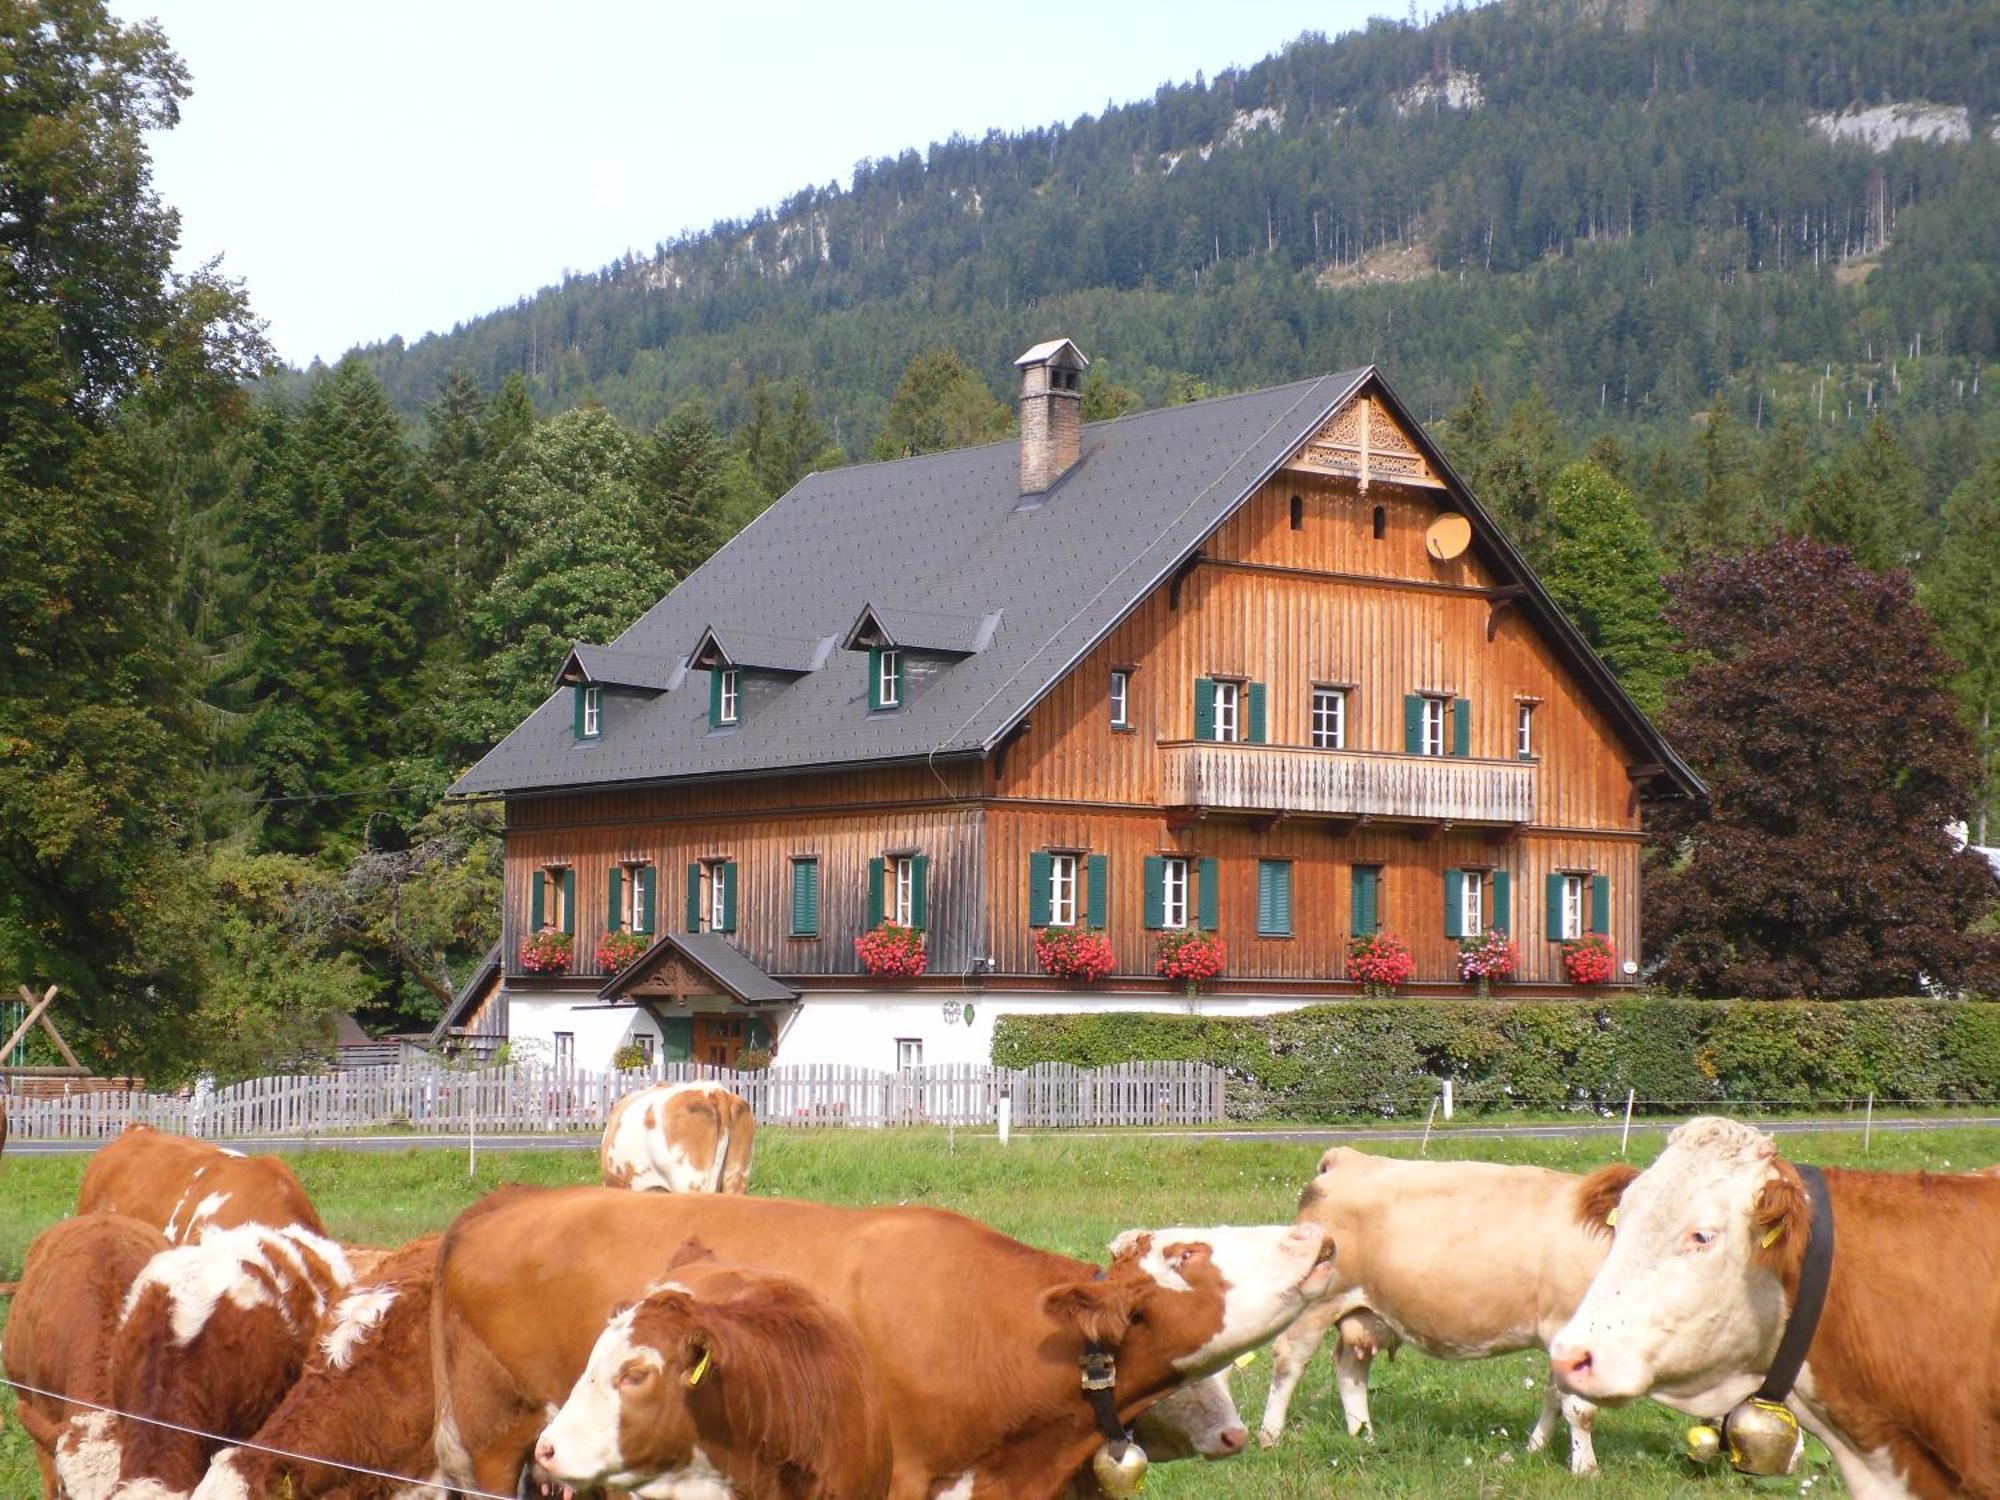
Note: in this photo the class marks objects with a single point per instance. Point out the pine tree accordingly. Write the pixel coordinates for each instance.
(1727, 512)
(1963, 592)
(940, 404)
(1867, 500)
(681, 467)
(1605, 571)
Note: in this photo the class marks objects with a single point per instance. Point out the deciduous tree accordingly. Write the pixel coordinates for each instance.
(940, 404)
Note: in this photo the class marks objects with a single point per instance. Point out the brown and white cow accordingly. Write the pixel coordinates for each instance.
(1902, 1379)
(974, 1337)
(210, 1337)
(364, 1398)
(183, 1186)
(679, 1138)
(64, 1322)
(724, 1380)
(1462, 1259)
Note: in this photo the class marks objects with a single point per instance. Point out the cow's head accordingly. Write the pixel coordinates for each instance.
(1690, 1304)
(628, 1421)
(1199, 1420)
(1200, 1296)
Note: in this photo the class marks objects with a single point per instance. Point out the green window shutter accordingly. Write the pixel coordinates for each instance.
(569, 900)
(1366, 900)
(1274, 898)
(677, 1039)
(1555, 899)
(714, 697)
(875, 873)
(694, 898)
(614, 888)
(576, 709)
(805, 898)
(728, 871)
(1211, 896)
(1204, 708)
(1156, 891)
(1099, 868)
(1461, 726)
(920, 891)
(1039, 870)
(1503, 902)
(874, 678)
(1600, 903)
(541, 913)
(646, 903)
(1413, 723)
(1283, 904)
(1257, 704)
(1454, 903)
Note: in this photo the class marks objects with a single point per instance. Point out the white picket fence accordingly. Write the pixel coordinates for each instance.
(427, 1098)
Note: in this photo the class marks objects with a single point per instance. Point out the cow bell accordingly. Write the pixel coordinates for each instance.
(1762, 1437)
(1704, 1443)
(1120, 1469)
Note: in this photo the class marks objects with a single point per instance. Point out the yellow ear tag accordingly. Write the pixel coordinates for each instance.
(700, 1369)
(1246, 1360)
(1771, 1236)
(1611, 1219)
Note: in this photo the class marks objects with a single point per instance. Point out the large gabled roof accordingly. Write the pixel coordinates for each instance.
(948, 537)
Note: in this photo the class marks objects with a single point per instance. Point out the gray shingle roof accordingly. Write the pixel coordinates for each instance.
(762, 650)
(715, 956)
(937, 542)
(612, 667)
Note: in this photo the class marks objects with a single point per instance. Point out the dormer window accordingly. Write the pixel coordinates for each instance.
(724, 696)
(589, 711)
(885, 682)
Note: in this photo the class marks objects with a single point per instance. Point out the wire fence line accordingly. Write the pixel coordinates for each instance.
(428, 1098)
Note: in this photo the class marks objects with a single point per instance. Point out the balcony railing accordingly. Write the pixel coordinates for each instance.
(1347, 783)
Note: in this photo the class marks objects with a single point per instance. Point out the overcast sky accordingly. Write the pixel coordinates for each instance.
(374, 168)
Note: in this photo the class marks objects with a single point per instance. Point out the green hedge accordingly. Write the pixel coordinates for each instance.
(1384, 1058)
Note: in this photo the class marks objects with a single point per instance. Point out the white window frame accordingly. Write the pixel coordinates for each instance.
(1063, 872)
(645, 1041)
(1472, 903)
(889, 678)
(1228, 711)
(555, 910)
(1524, 743)
(712, 894)
(903, 890)
(909, 1053)
(593, 711)
(1121, 700)
(634, 897)
(1432, 738)
(730, 704)
(1575, 894)
(565, 1049)
(1176, 885)
(1329, 724)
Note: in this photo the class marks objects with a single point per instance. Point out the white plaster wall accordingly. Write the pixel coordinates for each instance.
(533, 1021)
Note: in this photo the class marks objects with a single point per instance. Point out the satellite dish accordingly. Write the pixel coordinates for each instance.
(1449, 535)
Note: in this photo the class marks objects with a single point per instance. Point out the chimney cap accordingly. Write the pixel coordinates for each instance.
(1060, 353)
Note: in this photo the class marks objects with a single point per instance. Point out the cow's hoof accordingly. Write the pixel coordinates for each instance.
(1267, 1438)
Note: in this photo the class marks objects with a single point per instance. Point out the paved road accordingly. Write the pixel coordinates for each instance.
(1301, 1136)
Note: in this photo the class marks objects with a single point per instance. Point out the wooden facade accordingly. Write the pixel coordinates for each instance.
(1320, 580)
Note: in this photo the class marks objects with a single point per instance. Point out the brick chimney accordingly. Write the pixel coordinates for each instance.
(1051, 412)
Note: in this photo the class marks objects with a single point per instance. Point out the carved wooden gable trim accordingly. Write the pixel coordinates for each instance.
(674, 978)
(1362, 441)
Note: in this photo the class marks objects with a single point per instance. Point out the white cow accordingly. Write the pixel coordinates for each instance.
(1463, 1259)
(679, 1138)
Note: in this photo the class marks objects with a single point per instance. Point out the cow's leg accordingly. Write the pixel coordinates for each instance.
(1351, 1364)
(1582, 1418)
(1545, 1424)
(1290, 1355)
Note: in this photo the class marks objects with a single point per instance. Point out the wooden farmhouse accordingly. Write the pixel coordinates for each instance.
(1259, 666)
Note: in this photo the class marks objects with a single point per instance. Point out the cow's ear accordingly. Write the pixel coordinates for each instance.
(1099, 1311)
(1781, 1220)
(1597, 1196)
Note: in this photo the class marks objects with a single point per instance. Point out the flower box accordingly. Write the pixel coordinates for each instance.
(893, 952)
(546, 952)
(1192, 957)
(1589, 959)
(1379, 961)
(618, 949)
(1071, 954)
(1485, 958)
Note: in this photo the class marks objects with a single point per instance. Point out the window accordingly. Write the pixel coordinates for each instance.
(589, 712)
(1573, 887)
(643, 1040)
(903, 890)
(1062, 890)
(565, 1049)
(711, 896)
(1432, 740)
(1366, 918)
(718, 899)
(888, 679)
(1274, 898)
(1298, 513)
(899, 891)
(805, 898)
(1524, 733)
(629, 903)
(1381, 522)
(555, 899)
(1329, 718)
(1174, 893)
(909, 1053)
(727, 695)
(1121, 691)
(1227, 724)
(1471, 902)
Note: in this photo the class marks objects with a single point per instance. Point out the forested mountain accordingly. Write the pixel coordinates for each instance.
(1627, 203)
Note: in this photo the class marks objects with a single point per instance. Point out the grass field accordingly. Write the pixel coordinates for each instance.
(1445, 1429)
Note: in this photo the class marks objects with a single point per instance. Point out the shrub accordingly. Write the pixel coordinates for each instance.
(1069, 953)
(753, 1060)
(629, 1057)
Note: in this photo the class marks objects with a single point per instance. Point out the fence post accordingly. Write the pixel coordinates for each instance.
(1006, 1115)
(1425, 1149)
(1625, 1135)
(1447, 1101)
(1868, 1124)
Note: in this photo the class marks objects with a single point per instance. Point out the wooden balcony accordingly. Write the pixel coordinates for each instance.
(1284, 779)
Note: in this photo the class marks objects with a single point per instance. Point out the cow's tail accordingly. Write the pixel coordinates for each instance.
(719, 1163)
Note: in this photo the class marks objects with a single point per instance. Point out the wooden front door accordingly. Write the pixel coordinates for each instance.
(720, 1040)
